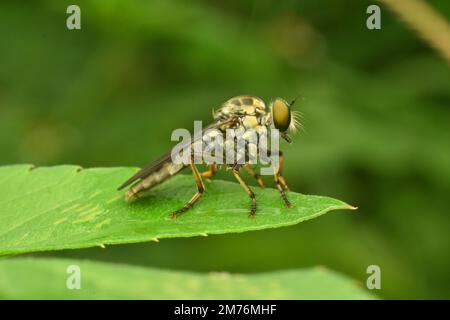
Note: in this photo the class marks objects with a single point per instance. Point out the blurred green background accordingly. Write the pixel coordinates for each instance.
(376, 108)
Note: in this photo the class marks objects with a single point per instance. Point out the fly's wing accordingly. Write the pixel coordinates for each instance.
(145, 171)
(158, 163)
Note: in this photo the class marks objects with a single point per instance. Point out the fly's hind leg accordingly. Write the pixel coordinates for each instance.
(280, 183)
(247, 190)
(196, 196)
(212, 169)
(257, 177)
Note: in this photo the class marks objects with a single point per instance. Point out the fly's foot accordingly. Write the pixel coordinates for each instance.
(252, 209)
(175, 214)
(286, 201)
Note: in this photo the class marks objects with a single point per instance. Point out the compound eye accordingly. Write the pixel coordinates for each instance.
(281, 114)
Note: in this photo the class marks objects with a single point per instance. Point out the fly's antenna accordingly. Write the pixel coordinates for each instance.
(291, 104)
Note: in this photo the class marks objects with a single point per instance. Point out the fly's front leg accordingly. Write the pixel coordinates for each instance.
(254, 175)
(195, 197)
(247, 189)
(280, 183)
(280, 168)
(212, 169)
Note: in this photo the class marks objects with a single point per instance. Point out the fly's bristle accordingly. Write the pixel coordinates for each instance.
(296, 122)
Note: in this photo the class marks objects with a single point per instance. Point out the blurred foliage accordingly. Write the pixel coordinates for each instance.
(375, 103)
(122, 281)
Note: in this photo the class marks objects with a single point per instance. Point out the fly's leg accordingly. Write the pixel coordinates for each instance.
(195, 197)
(252, 172)
(280, 183)
(286, 201)
(212, 169)
(280, 168)
(247, 189)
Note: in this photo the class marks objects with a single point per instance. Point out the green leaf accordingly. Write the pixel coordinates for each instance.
(28, 278)
(65, 207)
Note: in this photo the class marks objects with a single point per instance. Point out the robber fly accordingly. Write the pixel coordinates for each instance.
(241, 112)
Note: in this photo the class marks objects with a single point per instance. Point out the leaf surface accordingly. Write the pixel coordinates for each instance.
(65, 207)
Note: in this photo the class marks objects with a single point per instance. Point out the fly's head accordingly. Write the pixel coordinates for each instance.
(283, 118)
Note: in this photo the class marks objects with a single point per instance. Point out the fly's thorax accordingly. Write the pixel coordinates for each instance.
(249, 109)
(237, 140)
(249, 118)
(245, 100)
(250, 122)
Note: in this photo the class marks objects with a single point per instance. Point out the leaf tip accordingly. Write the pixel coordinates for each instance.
(155, 239)
(350, 207)
(101, 245)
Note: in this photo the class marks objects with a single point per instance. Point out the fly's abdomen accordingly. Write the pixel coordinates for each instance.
(167, 170)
